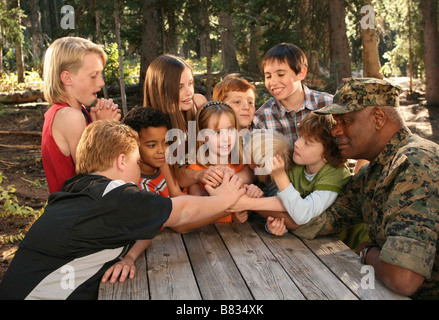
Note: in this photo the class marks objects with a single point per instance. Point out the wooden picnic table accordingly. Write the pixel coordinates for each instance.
(233, 261)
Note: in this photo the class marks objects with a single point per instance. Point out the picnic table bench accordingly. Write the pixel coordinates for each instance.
(232, 261)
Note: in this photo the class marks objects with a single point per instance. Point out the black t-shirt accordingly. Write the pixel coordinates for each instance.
(85, 228)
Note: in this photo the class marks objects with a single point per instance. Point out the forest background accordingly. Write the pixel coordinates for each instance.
(396, 39)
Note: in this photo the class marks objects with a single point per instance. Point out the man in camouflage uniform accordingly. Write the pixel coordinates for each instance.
(396, 195)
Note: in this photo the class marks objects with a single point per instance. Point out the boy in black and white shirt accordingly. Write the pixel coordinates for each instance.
(96, 218)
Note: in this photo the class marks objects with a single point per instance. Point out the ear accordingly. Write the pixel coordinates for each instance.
(66, 78)
(379, 117)
(302, 73)
(121, 162)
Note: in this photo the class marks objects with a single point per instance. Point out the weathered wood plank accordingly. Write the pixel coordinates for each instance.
(348, 268)
(264, 275)
(169, 271)
(312, 277)
(217, 275)
(135, 289)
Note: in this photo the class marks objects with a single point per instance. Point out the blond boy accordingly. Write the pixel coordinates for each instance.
(97, 217)
(72, 79)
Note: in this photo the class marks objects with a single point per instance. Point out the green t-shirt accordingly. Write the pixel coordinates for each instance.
(327, 179)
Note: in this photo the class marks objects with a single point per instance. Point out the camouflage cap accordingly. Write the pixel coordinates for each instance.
(356, 94)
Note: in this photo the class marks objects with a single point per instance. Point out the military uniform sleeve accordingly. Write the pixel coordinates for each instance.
(412, 216)
(344, 212)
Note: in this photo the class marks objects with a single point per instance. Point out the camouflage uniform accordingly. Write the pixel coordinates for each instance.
(396, 195)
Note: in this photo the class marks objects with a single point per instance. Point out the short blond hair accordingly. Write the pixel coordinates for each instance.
(65, 54)
(265, 141)
(101, 143)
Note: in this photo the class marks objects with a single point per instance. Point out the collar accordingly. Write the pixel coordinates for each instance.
(392, 146)
(309, 102)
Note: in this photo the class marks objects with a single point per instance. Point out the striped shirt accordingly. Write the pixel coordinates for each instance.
(273, 115)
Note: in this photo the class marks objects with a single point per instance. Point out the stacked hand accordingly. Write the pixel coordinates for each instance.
(105, 110)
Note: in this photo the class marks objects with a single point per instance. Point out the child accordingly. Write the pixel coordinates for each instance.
(312, 183)
(317, 176)
(151, 125)
(285, 67)
(220, 146)
(72, 79)
(97, 217)
(240, 95)
(174, 98)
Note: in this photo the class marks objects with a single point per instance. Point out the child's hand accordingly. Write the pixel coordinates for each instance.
(278, 166)
(276, 226)
(253, 191)
(120, 270)
(240, 217)
(105, 110)
(231, 189)
(212, 176)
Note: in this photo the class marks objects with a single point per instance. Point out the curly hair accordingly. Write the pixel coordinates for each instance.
(319, 127)
(145, 117)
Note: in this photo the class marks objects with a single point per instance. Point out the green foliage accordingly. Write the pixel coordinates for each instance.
(9, 83)
(9, 206)
(131, 67)
(199, 65)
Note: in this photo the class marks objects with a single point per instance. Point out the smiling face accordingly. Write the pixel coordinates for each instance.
(223, 139)
(243, 103)
(152, 149)
(354, 134)
(83, 86)
(186, 90)
(281, 81)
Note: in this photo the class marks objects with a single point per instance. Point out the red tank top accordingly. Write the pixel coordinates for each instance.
(57, 166)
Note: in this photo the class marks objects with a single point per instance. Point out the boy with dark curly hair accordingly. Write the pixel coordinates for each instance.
(152, 125)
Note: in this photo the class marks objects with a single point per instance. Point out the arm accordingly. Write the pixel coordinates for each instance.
(173, 186)
(212, 176)
(197, 210)
(126, 266)
(302, 210)
(247, 175)
(398, 279)
(67, 128)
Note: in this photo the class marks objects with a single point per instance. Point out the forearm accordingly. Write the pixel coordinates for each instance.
(400, 280)
(196, 209)
(302, 210)
(189, 177)
(137, 249)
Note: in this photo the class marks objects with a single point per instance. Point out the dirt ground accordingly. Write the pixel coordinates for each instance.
(21, 166)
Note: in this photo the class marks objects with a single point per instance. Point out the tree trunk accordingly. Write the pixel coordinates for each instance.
(99, 39)
(230, 62)
(119, 49)
(1, 52)
(254, 63)
(19, 50)
(431, 50)
(35, 29)
(149, 44)
(206, 31)
(371, 59)
(339, 45)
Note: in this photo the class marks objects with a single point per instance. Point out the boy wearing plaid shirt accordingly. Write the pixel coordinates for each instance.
(285, 67)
